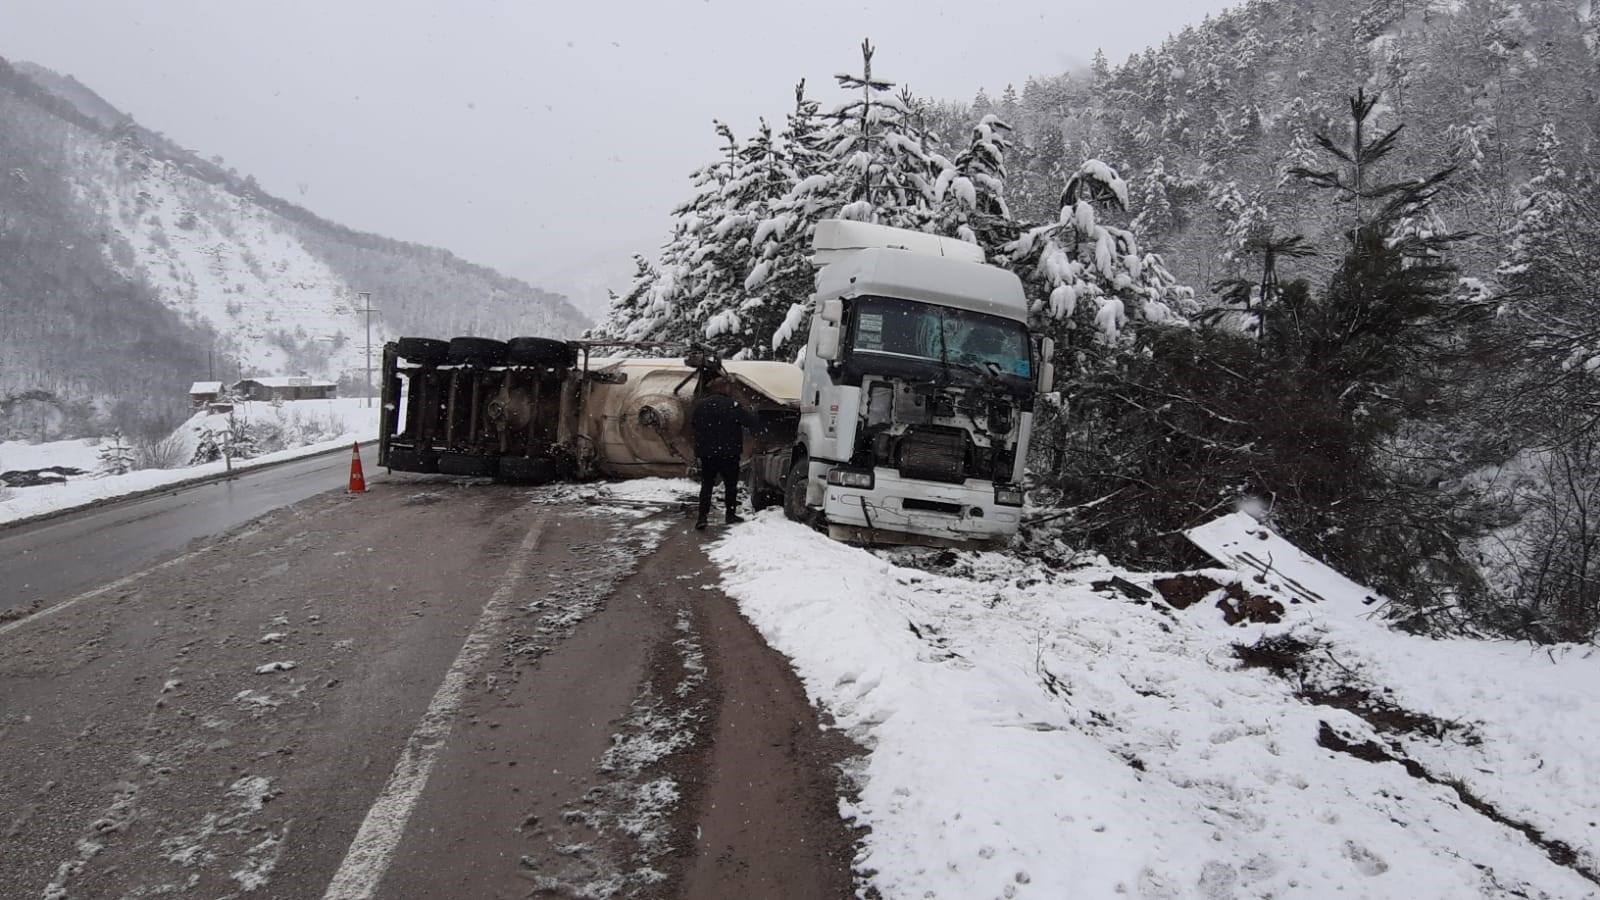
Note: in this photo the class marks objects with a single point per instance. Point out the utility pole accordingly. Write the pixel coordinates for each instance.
(368, 309)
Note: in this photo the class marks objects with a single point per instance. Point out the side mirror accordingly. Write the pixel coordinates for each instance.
(1047, 349)
(828, 342)
(833, 311)
(1047, 377)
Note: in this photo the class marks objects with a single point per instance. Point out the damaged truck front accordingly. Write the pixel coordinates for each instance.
(916, 404)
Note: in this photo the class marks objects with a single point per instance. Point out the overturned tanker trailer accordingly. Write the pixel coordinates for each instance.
(534, 410)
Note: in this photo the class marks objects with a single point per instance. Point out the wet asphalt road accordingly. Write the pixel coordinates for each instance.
(62, 557)
(439, 689)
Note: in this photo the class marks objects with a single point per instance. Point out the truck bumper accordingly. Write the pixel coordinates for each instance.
(938, 514)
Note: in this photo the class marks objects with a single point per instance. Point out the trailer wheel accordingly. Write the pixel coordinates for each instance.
(527, 469)
(477, 351)
(422, 351)
(404, 459)
(794, 489)
(761, 496)
(537, 351)
(468, 464)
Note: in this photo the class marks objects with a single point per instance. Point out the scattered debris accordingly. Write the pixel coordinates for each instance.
(38, 477)
(1276, 565)
(20, 612)
(1127, 587)
(1280, 654)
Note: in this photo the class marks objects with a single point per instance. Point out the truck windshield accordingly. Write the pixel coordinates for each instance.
(963, 341)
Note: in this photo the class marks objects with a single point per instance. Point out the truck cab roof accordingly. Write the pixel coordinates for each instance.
(941, 280)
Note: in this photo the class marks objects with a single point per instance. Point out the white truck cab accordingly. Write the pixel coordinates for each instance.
(917, 391)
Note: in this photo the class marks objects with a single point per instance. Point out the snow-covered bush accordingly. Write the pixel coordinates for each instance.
(158, 452)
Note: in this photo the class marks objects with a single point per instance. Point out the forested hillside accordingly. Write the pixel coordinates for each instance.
(1324, 259)
(130, 267)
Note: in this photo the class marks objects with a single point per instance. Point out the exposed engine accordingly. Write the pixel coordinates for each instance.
(938, 432)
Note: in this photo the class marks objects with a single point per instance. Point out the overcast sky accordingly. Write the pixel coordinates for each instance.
(544, 139)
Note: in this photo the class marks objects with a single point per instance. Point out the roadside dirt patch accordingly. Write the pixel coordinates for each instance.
(760, 812)
(1238, 606)
(1184, 591)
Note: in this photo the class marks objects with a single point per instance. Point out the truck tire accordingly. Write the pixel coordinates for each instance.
(546, 352)
(761, 496)
(794, 489)
(405, 459)
(527, 469)
(468, 464)
(477, 351)
(422, 351)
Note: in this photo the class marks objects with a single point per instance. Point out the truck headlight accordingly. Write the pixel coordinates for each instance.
(852, 478)
(1008, 496)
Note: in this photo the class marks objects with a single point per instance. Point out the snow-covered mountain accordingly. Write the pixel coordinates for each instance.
(173, 268)
(221, 260)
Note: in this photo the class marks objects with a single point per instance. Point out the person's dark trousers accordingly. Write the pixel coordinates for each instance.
(713, 468)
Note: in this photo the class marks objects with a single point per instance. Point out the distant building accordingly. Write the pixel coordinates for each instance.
(291, 387)
(202, 393)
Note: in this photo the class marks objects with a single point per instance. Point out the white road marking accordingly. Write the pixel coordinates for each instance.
(122, 582)
(373, 848)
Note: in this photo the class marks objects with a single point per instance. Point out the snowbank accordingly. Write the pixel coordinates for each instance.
(306, 427)
(1030, 734)
(83, 453)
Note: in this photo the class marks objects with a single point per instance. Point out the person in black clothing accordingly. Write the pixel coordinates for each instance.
(719, 423)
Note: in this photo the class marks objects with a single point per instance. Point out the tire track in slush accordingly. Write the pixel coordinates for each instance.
(373, 848)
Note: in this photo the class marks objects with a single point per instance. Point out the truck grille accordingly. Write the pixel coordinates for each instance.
(917, 505)
(934, 455)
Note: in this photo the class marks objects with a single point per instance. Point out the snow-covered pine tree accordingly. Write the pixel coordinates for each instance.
(981, 104)
(241, 439)
(780, 275)
(1093, 274)
(636, 314)
(880, 172)
(116, 457)
(738, 321)
(719, 240)
(208, 446)
(1552, 304)
(664, 308)
(1156, 216)
(970, 191)
(1257, 293)
(875, 169)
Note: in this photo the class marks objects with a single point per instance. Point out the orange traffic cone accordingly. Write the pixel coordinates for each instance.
(358, 483)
